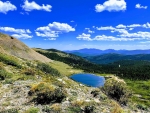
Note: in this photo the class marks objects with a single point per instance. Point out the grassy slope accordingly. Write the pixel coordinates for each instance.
(21, 79)
(70, 59)
(65, 69)
(141, 91)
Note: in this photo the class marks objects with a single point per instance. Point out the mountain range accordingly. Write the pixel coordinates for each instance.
(95, 52)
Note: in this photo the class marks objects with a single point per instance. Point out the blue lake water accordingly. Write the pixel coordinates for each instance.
(89, 79)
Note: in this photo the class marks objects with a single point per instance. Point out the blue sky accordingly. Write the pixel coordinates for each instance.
(77, 24)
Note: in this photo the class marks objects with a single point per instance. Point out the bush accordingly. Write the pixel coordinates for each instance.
(117, 89)
(4, 74)
(29, 71)
(89, 109)
(32, 110)
(1, 66)
(46, 68)
(142, 107)
(95, 92)
(45, 93)
(47, 109)
(74, 109)
(10, 60)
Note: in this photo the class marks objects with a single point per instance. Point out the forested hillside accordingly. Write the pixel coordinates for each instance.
(70, 59)
(131, 69)
(110, 58)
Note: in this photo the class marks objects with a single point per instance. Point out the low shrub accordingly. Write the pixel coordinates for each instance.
(56, 108)
(29, 71)
(74, 109)
(47, 109)
(1, 66)
(46, 93)
(117, 89)
(4, 74)
(95, 92)
(10, 60)
(142, 107)
(32, 110)
(47, 69)
(89, 109)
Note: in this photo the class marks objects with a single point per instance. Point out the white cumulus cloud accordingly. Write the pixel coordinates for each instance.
(11, 29)
(111, 5)
(84, 36)
(29, 6)
(89, 31)
(124, 33)
(111, 38)
(147, 25)
(17, 33)
(22, 36)
(134, 25)
(6, 6)
(140, 34)
(121, 26)
(138, 6)
(54, 29)
(105, 28)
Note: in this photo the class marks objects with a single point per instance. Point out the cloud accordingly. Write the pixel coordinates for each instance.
(121, 26)
(131, 29)
(6, 6)
(138, 6)
(10, 29)
(84, 36)
(111, 5)
(147, 25)
(87, 37)
(29, 6)
(146, 42)
(22, 36)
(134, 25)
(111, 38)
(105, 28)
(53, 30)
(47, 34)
(18, 33)
(89, 31)
(140, 34)
(122, 31)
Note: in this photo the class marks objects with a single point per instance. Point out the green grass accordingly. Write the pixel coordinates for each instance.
(9, 60)
(64, 69)
(47, 69)
(141, 90)
(32, 110)
(4, 74)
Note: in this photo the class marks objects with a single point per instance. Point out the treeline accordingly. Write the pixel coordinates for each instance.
(130, 69)
(72, 60)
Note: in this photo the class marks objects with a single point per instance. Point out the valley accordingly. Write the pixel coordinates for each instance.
(35, 86)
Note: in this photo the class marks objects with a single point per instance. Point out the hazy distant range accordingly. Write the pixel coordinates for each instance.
(95, 52)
